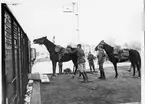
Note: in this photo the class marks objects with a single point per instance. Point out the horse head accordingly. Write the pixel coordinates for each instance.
(40, 40)
(101, 45)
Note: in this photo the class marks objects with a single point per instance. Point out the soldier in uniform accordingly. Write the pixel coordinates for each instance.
(91, 61)
(101, 57)
(81, 62)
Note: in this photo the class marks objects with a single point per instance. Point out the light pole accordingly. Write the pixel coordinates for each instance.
(76, 7)
(77, 19)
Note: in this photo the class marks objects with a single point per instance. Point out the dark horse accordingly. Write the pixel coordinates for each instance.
(54, 55)
(134, 57)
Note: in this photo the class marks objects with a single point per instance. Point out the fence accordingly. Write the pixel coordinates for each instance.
(15, 59)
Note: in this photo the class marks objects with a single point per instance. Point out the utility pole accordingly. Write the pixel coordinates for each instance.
(77, 18)
(75, 6)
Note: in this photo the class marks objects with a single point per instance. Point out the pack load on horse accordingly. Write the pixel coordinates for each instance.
(57, 53)
(121, 53)
(116, 56)
(61, 51)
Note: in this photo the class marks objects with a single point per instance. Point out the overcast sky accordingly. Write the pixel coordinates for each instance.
(117, 20)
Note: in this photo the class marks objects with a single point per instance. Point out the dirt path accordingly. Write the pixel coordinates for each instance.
(64, 90)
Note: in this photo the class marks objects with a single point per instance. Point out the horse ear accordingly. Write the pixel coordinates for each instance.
(45, 36)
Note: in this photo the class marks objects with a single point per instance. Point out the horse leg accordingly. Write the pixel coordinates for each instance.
(130, 68)
(138, 69)
(60, 68)
(133, 65)
(115, 67)
(135, 61)
(75, 70)
(54, 67)
(138, 64)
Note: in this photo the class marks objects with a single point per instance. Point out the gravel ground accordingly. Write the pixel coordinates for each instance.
(65, 90)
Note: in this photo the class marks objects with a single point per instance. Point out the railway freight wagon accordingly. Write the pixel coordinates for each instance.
(15, 59)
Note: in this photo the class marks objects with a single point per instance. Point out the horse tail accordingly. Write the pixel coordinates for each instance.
(139, 60)
(136, 57)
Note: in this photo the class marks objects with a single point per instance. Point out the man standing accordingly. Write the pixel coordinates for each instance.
(81, 61)
(101, 57)
(91, 61)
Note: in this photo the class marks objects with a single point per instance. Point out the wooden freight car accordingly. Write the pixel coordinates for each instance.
(15, 59)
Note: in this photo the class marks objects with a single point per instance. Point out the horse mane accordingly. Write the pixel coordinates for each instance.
(108, 48)
(49, 45)
(109, 45)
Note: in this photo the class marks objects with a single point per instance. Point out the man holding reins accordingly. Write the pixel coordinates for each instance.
(81, 62)
(101, 59)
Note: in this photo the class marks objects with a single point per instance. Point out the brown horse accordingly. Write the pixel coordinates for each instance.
(133, 57)
(54, 56)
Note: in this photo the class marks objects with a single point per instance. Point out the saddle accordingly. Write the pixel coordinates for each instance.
(121, 53)
(61, 51)
(58, 48)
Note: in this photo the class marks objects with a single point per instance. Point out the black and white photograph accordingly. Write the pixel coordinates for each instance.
(72, 52)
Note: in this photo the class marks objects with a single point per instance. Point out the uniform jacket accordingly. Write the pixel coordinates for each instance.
(101, 56)
(91, 57)
(81, 56)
